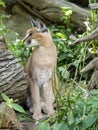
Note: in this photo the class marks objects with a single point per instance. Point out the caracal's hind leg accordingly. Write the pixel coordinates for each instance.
(48, 97)
(35, 96)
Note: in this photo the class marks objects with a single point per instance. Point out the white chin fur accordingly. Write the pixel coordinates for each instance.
(32, 43)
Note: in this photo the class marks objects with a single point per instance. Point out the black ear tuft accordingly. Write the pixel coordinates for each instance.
(44, 30)
(33, 22)
(41, 26)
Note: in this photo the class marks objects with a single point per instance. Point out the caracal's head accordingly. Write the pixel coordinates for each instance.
(37, 35)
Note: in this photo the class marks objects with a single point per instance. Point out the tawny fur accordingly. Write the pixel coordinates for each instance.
(40, 68)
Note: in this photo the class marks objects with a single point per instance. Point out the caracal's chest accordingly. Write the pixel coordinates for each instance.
(43, 75)
(43, 65)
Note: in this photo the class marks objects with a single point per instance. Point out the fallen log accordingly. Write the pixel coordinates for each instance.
(51, 11)
(92, 65)
(94, 6)
(93, 83)
(13, 80)
(92, 36)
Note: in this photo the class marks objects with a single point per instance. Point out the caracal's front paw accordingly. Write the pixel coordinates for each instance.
(37, 116)
(51, 113)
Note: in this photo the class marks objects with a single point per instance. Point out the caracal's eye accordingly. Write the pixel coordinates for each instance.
(29, 41)
(30, 33)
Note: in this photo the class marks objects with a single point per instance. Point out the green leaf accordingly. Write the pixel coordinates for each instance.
(5, 97)
(89, 121)
(44, 126)
(2, 3)
(75, 63)
(62, 57)
(71, 119)
(57, 127)
(64, 72)
(62, 126)
(68, 13)
(18, 108)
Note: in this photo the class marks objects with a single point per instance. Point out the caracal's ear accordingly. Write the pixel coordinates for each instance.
(41, 26)
(33, 22)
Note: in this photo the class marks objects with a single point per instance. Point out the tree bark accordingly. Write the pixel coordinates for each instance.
(13, 80)
(51, 10)
(92, 36)
(94, 6)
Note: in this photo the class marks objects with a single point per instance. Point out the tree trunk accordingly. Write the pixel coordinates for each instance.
(50, 10)
(12, 77)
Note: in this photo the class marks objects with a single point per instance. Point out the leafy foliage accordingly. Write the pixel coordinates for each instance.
(68, 57)
(10, 103)
(44, 126)
(77, 110)
(20, 50)
(2, 3)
